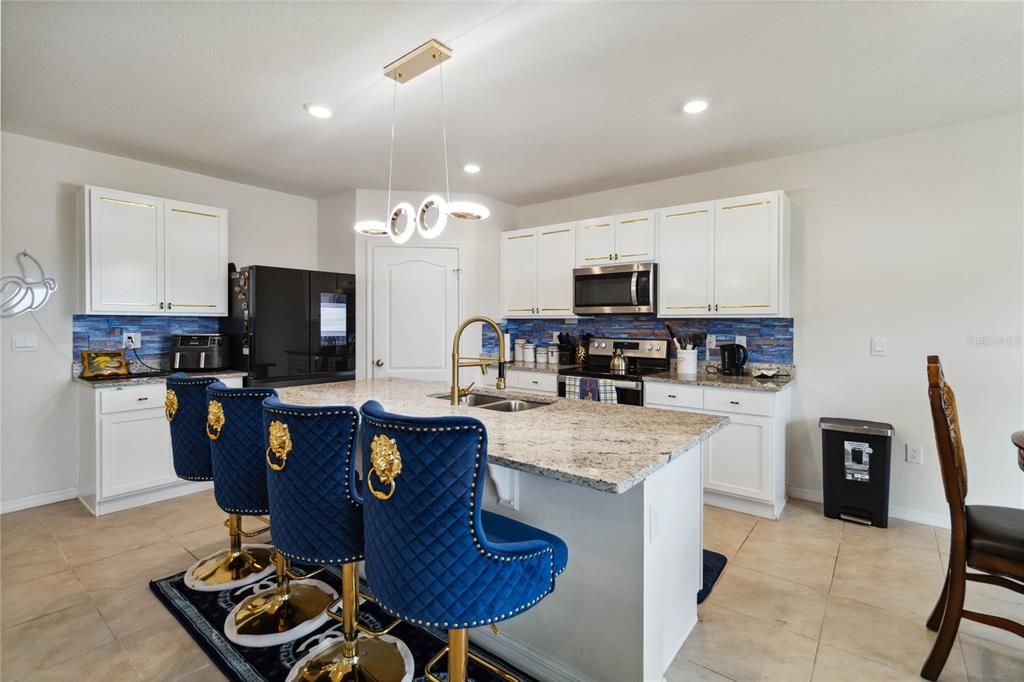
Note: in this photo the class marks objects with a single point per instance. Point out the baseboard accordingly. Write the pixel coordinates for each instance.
(39, 500)
(902, 513)
(526, 658)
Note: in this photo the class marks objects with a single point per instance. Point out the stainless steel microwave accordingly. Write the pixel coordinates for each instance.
(615, 289)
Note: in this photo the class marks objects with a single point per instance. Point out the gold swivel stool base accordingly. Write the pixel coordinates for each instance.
(280, 613)
(355, 658)
(234, 567)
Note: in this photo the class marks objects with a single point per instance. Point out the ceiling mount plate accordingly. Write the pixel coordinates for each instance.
(422, 59)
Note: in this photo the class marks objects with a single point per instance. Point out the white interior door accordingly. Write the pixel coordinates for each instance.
(415, 311)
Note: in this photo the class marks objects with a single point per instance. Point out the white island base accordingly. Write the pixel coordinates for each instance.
(628, 599)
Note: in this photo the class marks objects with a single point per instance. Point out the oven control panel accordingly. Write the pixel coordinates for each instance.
(656, 349)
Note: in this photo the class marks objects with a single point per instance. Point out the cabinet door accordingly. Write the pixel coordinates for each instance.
(686, 252)
(634, 237)
(196, 239)
(135, 452)
(126, 252)
(519, 273)
(595, 242)
(747, 255)
(737, 459)
(556, 254)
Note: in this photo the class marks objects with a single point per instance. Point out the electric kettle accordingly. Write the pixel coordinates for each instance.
(618, 364)
(734, 356)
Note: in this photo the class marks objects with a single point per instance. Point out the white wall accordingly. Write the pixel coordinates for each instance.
(336, 240)
(480, 242)
(917, 238)
(39, 443)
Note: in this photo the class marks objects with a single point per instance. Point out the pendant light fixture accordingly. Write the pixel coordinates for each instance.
(402, 220)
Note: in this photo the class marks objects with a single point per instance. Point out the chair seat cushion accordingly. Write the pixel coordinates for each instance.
(502, 529)
(996, 530)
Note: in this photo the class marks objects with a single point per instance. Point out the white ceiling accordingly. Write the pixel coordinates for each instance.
(551, 99)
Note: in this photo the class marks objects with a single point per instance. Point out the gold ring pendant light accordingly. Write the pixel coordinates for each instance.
(402, 219)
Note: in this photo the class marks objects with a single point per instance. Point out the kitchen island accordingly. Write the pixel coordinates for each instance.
(621, 485)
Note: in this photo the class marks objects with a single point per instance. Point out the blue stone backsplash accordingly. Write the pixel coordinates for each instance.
(769, 339)
(103, 332)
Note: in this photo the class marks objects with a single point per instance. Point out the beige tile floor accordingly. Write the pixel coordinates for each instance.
(802, 598)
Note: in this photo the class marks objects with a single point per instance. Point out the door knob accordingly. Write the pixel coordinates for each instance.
(379, 363)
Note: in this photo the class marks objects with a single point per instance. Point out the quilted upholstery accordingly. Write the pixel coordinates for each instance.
(190, 447)
(428, 558)
(314, 514)
(239, 476)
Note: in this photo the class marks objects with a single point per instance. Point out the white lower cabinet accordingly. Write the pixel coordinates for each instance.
(125, 456)
(745, 462)
(536, 382)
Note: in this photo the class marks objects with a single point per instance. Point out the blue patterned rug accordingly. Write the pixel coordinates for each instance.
(202, 615)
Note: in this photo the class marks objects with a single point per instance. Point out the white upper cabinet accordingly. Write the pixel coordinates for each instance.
(634, 237)
(595, 242)
(725, 258)
(536, 271)
(686, 240)
(556, 251)
(519, 273)
(150, 256)
(196, 243)
(747, 255)
(126, 252)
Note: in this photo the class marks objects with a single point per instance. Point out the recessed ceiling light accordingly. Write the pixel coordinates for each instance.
(471, 168)
(318, 110)
(695, 106)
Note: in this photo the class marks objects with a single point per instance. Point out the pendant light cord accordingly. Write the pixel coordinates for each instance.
(391, 156)
(444, 136)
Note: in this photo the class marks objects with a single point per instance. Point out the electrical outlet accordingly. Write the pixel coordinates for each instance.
(131, 340)
(711, 343)
(742, 340)
(554, 337)
(915, 454)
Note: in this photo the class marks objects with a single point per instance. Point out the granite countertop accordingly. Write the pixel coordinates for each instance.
(606, 447)
(129, 380)
(702, 378)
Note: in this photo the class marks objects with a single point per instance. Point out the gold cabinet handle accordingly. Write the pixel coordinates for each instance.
(520, 310)
(522, 236)
(634, 220)
(756, 203)
(558, 231)
(556, 309)
(630, 255)
(197, 305)
(685, 307)
(128, 203)
(594, 227)
(199, 213)
(598, 257)
(747, 305)
(679, 215)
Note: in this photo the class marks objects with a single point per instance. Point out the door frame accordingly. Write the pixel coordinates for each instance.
(366, 298)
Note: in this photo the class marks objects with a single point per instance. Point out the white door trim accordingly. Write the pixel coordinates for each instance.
(366, 299)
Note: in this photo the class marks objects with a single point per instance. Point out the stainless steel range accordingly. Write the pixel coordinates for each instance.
(639, 358)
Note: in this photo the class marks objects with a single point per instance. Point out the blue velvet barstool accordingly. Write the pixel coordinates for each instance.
(433, 556)
(235, 433)
(316, 518)
(185, 405)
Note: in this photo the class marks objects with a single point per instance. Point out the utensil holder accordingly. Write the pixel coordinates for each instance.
(686, 362)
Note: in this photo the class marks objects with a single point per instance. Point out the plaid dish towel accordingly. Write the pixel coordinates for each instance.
(588, 388)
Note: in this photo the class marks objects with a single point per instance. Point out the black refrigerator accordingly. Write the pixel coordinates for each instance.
(291, 326)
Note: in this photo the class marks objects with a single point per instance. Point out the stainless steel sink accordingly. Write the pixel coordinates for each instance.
(474, 399)
(512, 406)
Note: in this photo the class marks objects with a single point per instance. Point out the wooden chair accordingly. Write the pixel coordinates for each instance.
(983, 538)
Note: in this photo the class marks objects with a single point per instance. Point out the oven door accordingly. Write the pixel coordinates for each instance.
(614, 289)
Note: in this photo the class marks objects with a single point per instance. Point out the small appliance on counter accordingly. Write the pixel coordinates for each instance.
(199, 351)
(623, 361)
(734, 357)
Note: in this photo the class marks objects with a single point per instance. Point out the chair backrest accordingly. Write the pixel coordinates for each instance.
(234, 424)
(422, 495)
(948, 439)
(315, 515)
(185, 409)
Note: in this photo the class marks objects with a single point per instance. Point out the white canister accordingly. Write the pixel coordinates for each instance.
(529, 353)
(552, 355)
(542, 356)
(686, 362)
(517, 354)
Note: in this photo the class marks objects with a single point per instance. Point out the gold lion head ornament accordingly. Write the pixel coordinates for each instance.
(387, 465)
(170, 404)
(214, 419)
(280, 439)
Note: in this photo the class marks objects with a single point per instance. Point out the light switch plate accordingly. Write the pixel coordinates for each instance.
(879, 345)
(24, 343)
(915, 453)
(711, 343)
(742, 340)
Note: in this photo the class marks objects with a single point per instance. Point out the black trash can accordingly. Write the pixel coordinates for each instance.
(856, 458)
